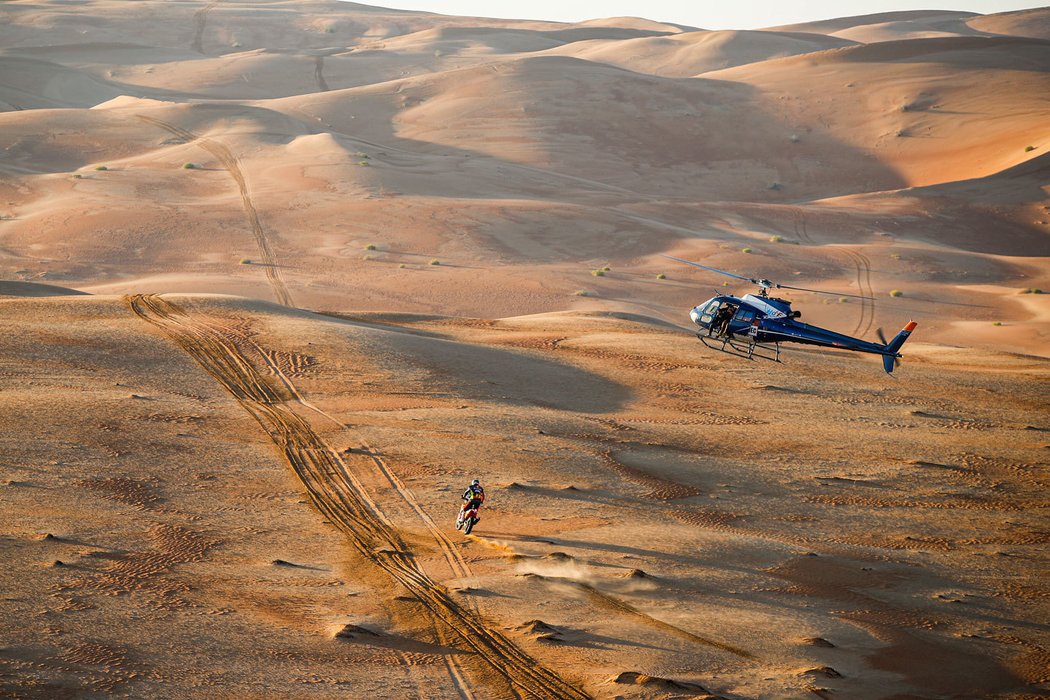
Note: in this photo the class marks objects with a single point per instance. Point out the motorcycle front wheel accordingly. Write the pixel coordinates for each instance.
(470, 526)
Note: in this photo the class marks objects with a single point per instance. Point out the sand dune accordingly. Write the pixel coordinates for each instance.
(689, 54)
(1026, 23)
(950, 109)
(279, 277)
(619, 495)
(891, 26)
(35, 84)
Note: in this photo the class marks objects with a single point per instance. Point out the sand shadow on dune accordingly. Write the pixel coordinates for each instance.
(573, 638)
(927, 661)
(15, 288)
(397, 643)
(498, 375)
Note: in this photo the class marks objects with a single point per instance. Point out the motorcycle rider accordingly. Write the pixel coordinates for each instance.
(474, 497)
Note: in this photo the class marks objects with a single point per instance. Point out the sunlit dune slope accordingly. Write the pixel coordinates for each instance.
(1027, 23)
(933, 110)
(891, 26)
(687, 54)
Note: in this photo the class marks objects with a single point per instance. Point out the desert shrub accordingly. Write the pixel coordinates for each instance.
(101, 167)
(402, 266)
(606, 269)
(363, 163)
(1029, 149)
(896, 293)
(188, 166)
(435, 262)
(77, 176)
(843, 300)
(245, 261)
(1033, 290)
(895, 256)
(997, 323)
(661, 276)
(582, 293)
(745, 250)
(598, 273)
(775, 186)
(370, 246)
(776, 239)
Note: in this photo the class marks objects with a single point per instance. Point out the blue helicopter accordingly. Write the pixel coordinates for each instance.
(755, 326)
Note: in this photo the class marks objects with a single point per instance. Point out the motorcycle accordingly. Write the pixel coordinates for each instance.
(467, 519)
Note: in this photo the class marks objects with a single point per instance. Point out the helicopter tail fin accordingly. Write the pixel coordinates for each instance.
(890, 361)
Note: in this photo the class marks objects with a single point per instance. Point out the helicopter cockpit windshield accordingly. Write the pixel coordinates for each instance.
(708, 311)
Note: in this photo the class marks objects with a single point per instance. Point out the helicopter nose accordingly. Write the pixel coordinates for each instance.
(695, 314)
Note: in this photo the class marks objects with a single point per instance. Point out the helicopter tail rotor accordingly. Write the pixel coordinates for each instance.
(891, 360)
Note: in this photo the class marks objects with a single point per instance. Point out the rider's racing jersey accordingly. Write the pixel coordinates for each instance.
(474, 493)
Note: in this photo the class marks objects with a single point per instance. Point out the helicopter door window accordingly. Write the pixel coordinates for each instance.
(744, 315)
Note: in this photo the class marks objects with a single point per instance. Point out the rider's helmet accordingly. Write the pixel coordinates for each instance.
(476, 482)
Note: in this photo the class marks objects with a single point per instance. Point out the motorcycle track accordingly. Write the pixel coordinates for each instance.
(867, 305)
(862, 266)
(607, 601)
(322, 85)
(457, 564)
(233, 167)
(335, 492)
(200, 20)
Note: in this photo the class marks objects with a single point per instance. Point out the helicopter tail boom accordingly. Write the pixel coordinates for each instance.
(888, 359)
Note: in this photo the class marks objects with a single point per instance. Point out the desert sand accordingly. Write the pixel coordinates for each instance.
(277, 279)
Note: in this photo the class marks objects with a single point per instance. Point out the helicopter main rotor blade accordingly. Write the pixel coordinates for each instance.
(821, 291)
(713, 269)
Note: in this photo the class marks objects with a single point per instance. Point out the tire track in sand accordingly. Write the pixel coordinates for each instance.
(322, 84)
(607, 601)
(233, 167)
(341, 499)
(200, 20)
(867, 304)
(862, 266)
(457, 564)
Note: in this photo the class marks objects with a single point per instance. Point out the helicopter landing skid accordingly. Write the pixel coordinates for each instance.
(733, 346)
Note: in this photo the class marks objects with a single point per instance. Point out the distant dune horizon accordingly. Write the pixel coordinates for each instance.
(279, 278)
